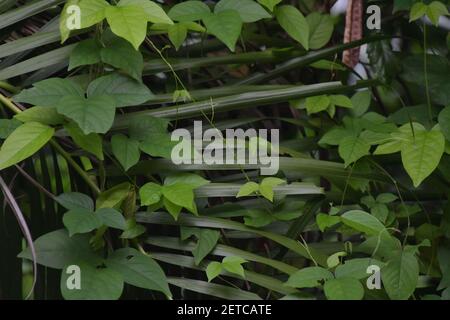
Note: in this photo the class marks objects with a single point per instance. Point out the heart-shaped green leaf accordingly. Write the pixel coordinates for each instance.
(93, 114)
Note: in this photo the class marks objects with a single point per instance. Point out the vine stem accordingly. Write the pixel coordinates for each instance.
(10, 105)
(425, 67)
(9, 87)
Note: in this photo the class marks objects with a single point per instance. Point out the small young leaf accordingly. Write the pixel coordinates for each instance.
(418, 10)
(128, 22)
(247, 189)
(172, 208)
(267, 185)
(150, 193)
(317, 104)
(341, 101)
(213, 270)
(386, 198)
(368, 201)
(180, 194)
(233, 264)
(335, 135)
(435, 10)
(334, 260)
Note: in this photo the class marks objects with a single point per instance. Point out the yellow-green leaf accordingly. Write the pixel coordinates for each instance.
(23, 142)
(421, 154)
(128, 22)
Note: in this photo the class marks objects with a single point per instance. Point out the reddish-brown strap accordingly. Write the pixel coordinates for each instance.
(353, 31)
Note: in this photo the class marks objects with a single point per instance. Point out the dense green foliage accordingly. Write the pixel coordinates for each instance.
(85, 133)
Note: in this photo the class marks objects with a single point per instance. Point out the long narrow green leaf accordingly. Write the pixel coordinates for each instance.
(207, 222)
(240, 101)
(257, 278)
(299, 62)
(47, 59)
(220, 250)
(203, 94)
(50, 26)
(26, 43)
(6, 5)
(159, 65)
(212, 289)
(26, 11)
(304, 166)
(232, 189)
